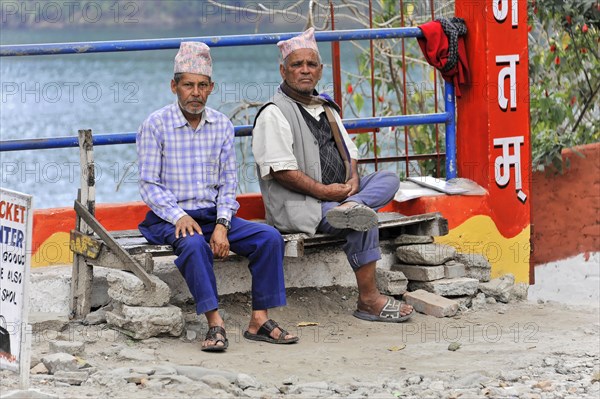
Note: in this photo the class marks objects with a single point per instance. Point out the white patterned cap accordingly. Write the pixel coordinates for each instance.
(193, 57)
(304, 40)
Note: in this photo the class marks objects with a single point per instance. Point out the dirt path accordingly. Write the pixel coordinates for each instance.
(526, 343)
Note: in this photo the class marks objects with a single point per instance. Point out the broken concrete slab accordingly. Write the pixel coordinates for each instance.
(500, 288)
(60, 362)
(447, 286)
(50, 324)
(420, 273)
(71, 377)
(476, 265)
(431, 304)
(454, 269)
(142, 322)
(425, 254)
(74, 348)
(391, 282)
(126, 288)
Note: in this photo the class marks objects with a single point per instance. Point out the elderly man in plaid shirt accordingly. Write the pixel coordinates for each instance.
(188, 179)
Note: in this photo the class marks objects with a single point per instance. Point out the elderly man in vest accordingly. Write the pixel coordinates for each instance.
(309, 177)
(188, 179)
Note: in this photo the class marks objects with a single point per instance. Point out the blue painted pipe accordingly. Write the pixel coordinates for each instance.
(212, 41)
(240, 131)
(450, 107)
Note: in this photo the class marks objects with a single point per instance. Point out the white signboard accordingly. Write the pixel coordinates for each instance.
(16, 216)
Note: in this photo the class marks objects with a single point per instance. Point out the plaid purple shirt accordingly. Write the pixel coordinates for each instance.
(182, 169)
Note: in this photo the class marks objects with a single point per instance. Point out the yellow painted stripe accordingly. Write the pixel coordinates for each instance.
(479, 234)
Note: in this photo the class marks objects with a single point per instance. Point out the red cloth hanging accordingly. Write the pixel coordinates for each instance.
(434, 46)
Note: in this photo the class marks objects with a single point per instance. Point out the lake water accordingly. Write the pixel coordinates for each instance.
(54, 96)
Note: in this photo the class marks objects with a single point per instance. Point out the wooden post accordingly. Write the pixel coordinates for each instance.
(82, 276)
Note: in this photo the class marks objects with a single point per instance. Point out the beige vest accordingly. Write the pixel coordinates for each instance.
(287, 210)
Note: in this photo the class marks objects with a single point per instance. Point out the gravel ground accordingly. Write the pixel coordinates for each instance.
(516, 350)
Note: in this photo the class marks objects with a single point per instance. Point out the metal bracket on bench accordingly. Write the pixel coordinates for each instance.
(129, 262)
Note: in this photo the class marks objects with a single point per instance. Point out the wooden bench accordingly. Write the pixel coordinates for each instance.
(93, 245)
(391, 224)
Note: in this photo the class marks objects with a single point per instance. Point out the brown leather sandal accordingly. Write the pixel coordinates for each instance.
(264, 334)
(213, 335)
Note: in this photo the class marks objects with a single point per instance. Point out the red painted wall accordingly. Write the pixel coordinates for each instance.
(566, 208)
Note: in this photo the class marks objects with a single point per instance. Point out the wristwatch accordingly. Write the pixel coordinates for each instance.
(225, 223)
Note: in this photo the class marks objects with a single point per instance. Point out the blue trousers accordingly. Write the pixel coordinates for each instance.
(362, 247)
(260, 243)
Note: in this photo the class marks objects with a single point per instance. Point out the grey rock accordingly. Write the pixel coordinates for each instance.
(500, 289)
(144, 370)
(471, 380)
(479, 302)
(135, 354)
(196, 373)
(60, 362)
(39, 368)
(464, 302)
(454, 269)
(477, 266)
(165, 370)
(96, 317)
(126, 288)
(425, 254)
(550, 362)
(244, 381)
(420, 272)
(408, 239)
(416, 379)
(74, 348)
(71, 377)
(216, 381)
(153, 385)
(28, 394)
(169, 379)
(135, 378)
(48, 324)
(191, 335)
(100, 288)
(391, 282)
(520, 291)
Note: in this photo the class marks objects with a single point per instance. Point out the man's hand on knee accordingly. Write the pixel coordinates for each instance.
(186, 225)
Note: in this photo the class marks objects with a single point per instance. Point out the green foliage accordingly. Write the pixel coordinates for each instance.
(564, 79)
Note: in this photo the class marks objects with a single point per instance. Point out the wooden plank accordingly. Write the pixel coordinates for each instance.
(428, 224)
(130, 263)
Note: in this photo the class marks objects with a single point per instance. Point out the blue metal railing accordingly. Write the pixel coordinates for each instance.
(447, 117)
(211, 41)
